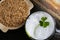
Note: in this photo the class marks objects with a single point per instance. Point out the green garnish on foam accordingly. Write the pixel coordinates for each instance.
(43, 22)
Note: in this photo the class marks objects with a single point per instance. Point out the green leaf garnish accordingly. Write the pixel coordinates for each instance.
(43, 18)
(43, 22)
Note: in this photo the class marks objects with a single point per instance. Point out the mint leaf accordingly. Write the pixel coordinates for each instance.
(43, 18)
(41, 23)
(45, 24)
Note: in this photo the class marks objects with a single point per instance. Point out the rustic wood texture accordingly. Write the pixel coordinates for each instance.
(48, 8)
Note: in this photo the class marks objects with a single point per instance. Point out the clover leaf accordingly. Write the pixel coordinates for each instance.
(43, 22)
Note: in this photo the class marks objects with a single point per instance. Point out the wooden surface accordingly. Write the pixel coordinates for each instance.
(48, 8)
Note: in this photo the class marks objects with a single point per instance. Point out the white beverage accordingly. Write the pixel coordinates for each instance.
(38, 32)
